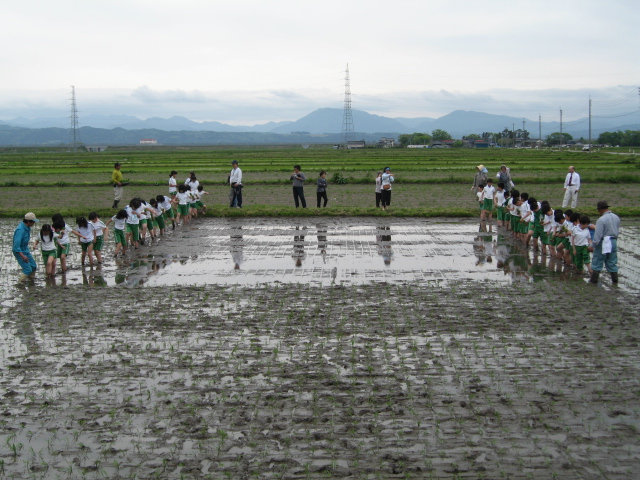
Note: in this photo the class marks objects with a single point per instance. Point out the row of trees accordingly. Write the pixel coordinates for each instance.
(504, 138)
(628, 138)
(508, 138)
(423, 138)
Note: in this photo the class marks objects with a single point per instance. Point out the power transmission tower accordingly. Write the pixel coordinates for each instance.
(348, 131)
(74, 133)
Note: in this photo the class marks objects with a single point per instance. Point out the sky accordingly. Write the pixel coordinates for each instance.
(247, 62)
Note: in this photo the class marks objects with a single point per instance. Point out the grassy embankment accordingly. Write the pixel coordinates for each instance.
(428, 182)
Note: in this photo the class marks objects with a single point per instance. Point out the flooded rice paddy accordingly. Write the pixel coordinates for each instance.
(347, 348)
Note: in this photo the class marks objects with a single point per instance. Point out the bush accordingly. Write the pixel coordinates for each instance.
(338, 179)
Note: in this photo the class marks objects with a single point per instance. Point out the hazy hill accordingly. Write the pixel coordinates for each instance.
(126, 129)
(19, 136)
(329, 120)
(129, 122)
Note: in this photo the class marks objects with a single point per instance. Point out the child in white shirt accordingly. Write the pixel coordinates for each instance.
(488, 192)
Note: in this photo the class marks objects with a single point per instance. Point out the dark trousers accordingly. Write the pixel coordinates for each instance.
(320, 196)
(386, 197)
(378, 199)
(236, 197)
(298, 193)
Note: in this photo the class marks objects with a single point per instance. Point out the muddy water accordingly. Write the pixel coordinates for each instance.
(398, 352)
(338, 251)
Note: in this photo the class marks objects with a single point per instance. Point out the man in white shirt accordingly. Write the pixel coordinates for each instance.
(571, 188)
(235, 180)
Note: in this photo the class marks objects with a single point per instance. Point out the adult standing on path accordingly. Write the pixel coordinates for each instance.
(298, 186)
(378, 189)
(504, 176)
(21, 238)
(235, 180)
(605, 244)
(571, 188)
(385, 187)
(480, 178)
(118, 186)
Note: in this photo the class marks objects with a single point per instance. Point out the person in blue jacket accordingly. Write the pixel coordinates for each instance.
(21, 238)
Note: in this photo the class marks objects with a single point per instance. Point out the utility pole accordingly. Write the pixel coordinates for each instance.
(589, 123)
(561, 137)
(523, 123)
(513, 134)
(539, 129)
(347, 118)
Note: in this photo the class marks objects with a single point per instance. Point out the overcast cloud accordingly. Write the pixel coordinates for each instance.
(248, 62)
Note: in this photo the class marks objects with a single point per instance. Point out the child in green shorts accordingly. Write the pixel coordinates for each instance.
(499, 201)
(158, 218)
(63, 242)
(547, 225)
(486, 215)
(119, 220)
(101, 231)
(133, 222)
(182, 199)
(165, 205)
(87, 239)
(580, 242)
(48, 249)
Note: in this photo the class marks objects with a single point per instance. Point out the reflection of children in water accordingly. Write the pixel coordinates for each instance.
(483, 249)
(92, 280)
(298, 248)
(501, 252)
(383, 243)
(322, 240)
(237, 247)
(478, 251)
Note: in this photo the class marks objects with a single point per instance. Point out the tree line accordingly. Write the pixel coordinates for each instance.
(628, 138)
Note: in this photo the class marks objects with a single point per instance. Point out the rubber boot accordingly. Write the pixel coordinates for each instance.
(115, 203)
(22, 278)
(614, 277)
(594, 278)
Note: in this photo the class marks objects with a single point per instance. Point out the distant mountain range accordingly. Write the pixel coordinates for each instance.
(321, 126)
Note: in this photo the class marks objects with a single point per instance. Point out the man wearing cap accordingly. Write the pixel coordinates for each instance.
(21, 238)
(571, 188)
(605, 244)
(118, 187)
(235, 180)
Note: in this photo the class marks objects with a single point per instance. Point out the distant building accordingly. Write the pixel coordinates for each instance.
(386, 142)
(148, 141)
(96, 148)
(442, 143)
(356, 144)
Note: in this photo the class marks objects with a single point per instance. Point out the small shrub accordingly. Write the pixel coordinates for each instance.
(338, 179)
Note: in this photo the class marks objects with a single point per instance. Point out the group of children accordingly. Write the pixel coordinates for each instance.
(133, 224)
(55, 241)
(566, 235)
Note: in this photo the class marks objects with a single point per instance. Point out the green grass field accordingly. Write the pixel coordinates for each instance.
(428, 182)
